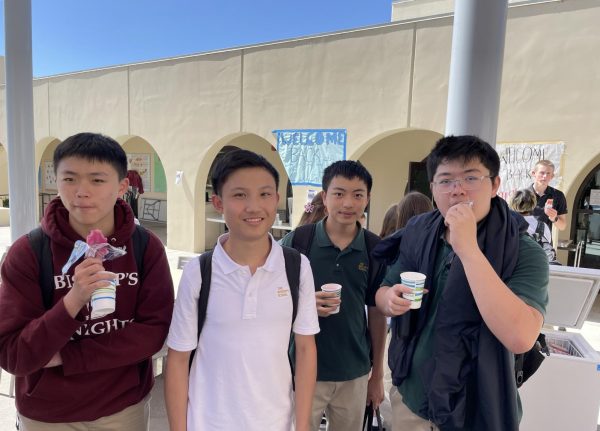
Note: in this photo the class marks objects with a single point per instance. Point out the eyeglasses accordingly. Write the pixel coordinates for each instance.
(469, 183)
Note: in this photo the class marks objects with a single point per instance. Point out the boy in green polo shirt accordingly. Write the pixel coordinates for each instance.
(338, 254)
(452, 359)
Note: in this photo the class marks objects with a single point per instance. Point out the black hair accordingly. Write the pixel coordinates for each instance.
(348, 169)
(93, 147)
(235, 160)
(463, 148)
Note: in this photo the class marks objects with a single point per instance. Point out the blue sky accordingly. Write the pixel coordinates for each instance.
(72, 35)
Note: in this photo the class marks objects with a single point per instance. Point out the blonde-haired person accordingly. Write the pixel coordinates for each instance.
(313, 211)
(551, 205)
(399, 214)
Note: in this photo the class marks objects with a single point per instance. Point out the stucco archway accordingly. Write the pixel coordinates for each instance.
(207, 233)
(143, 157)
(387, 158)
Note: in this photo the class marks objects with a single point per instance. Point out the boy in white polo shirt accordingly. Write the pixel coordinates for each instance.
(240, 377)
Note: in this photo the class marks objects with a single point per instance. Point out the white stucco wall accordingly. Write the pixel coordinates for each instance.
(381, 84)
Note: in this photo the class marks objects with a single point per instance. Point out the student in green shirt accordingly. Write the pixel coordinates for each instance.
(346, 380)
(452, 359)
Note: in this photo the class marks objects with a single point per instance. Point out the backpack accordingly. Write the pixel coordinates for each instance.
(292, 271)
(40, 243)
(303, 237)
(526, 364)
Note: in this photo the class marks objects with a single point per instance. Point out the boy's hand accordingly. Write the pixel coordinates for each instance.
(86, 279)
(393, 302)
(326, 302)
(462, 228)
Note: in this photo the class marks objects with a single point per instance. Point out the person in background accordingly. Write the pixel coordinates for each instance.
(524, 201)
(551, 205)
(313, 211)
(398, 215)
(135, 189)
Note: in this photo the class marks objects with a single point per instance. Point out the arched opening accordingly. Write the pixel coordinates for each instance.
(395, 161)
(147, 194)
(209, 223)
(47, 189)
(585, 225)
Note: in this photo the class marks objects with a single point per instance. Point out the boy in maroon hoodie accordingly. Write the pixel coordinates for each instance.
(74, 372)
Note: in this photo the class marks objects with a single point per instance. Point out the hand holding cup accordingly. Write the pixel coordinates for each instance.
(328, 299)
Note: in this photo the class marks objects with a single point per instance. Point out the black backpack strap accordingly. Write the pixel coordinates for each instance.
(303, 237)
(293, 261)
(140, 241)
(292, 270)
(375, 267)
(40, 243)
(205, 274)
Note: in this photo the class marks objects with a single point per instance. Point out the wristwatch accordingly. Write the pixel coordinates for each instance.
(555, 219)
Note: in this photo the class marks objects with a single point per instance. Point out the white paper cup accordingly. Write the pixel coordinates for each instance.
(416, 281)
(104, 298)
(333, 288)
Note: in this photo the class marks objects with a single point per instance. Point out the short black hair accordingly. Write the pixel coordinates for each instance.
(94, 147)
(463, 148)
(348, 169)
(235, 160)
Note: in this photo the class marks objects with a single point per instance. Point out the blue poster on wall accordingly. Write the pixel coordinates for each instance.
(307, 152)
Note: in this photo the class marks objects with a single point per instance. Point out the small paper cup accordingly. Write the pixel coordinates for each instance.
(416, 281)
(103, 300)
(333, 288)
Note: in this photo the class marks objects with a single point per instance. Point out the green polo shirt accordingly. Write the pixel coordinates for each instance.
(343, 343)
(529, 282)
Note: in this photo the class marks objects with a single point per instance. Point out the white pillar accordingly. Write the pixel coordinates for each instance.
(476, 68)
(22, 175)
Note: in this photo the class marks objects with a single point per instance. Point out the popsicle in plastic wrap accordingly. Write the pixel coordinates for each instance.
(96, 246)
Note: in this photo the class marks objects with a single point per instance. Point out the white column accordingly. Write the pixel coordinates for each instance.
(22, 175)
(476, 68)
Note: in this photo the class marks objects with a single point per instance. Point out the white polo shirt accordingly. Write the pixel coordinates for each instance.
(240, 377)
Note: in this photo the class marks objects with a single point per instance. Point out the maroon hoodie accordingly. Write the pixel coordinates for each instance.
(106, 361)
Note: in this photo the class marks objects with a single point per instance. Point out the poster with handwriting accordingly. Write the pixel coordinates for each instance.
(518, 159)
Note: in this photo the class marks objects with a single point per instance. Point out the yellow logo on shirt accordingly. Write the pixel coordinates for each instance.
(282, 292)
(363, 267)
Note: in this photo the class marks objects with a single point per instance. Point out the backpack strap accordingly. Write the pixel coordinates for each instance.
(292, 270)
(303, 237)
(40, 243)
(539, 230)
(375, 267)
(205, 274)
(140, 241)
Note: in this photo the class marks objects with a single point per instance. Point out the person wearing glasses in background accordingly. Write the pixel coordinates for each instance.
(452, 359)
(551, 205)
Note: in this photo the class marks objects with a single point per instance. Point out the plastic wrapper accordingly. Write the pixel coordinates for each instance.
(96, 246)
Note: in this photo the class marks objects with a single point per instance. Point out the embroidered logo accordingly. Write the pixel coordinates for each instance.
(363, 267)
(282, 292)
